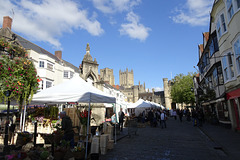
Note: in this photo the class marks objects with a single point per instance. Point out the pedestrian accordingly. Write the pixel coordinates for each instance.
(163, 119)
(143, 116)
(121, 118)
(12, 129)
(174, 113)
(150, 117)
(67, 128)
(180, 114)
(113, 118)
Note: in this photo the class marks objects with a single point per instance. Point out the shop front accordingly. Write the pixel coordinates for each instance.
(233, 98)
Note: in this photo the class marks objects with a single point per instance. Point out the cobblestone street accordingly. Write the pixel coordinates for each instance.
(179, 141)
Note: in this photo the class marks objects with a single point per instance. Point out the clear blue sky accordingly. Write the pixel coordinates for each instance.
(156, 38)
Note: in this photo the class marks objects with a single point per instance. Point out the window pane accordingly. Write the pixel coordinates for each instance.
(48, 84)
(49, 66)
(238, 64)
(223, 23)
(41, 64)
(65, 74)
(238, 3)
(224, 62)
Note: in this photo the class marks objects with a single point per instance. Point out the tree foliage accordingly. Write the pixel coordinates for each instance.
(181, 90)
(17, 74)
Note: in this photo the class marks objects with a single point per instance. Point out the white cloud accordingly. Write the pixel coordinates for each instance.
(48, 20)
(134, 29)
(194, 12)
(113, 6)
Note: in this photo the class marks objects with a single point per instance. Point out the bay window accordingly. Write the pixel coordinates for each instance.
(227, 65)
(237, 54)
(221, 26)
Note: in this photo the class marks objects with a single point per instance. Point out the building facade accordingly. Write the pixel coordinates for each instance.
(219, 63)
(126, 78)
(50, 67)
(107, 76)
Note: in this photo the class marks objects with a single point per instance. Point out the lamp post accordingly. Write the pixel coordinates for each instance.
(7, 94)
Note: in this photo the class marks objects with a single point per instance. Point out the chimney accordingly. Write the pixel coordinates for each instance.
(7, 22)
(58, 54)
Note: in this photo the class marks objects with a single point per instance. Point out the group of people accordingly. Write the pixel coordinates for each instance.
(196, 115)
(154, 116)
(121, 117)
(11, 125)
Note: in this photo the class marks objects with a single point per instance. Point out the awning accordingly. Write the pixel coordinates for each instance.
(233, 94)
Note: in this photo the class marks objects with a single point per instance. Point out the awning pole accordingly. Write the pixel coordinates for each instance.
(88, 123)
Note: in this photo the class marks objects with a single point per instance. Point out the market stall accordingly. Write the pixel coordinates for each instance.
(74, 90)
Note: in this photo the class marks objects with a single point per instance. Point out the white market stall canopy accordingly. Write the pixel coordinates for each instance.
(140, 104)
(74, 90)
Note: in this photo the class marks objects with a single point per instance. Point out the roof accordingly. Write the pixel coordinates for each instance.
(29, 45)
(200, 46)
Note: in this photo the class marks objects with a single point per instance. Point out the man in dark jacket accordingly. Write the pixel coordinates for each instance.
(121, 118)
(67, 128)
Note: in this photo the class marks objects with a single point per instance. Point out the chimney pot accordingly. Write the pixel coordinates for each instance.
(7, 22)
(58, 54)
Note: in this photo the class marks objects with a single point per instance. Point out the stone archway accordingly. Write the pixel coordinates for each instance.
(91, 77)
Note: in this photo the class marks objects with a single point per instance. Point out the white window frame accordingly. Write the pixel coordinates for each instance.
(227, 67)
(65, 74)
(41, 64)
(221, 26)
(49, 84)
(50, 66)
(236, 50)
(71, 74)
(230, 9)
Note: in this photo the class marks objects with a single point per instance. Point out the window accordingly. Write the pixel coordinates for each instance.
(228, 70)
(230, 63)
(223, 23)
(220, 75)
(230, 9)
(65, 74)
(221, 26)
(41, 64)
(237, 54)
(213, 46)
(71, 74)
(238, 3)
(225, 68)
(48, 84)
(215, 77)
(50, 66)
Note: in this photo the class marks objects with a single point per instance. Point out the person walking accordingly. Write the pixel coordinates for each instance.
(150, 117)
(121, 118)
(180, 114)
(163, 119)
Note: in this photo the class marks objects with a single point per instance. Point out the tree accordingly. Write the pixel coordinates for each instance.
(181, 90)
(17, 74)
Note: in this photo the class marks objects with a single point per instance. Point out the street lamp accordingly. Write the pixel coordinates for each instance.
(7, 94)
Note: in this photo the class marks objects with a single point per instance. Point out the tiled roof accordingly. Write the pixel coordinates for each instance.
(200, 46)
(206, 36)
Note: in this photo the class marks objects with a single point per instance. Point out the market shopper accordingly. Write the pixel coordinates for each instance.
(121, 118)
(12, 129)
(67, 128)
(163, 119)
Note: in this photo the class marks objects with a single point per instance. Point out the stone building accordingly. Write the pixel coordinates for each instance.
(107, 76)
(167, 94)
(126, 78)
(89, 68)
